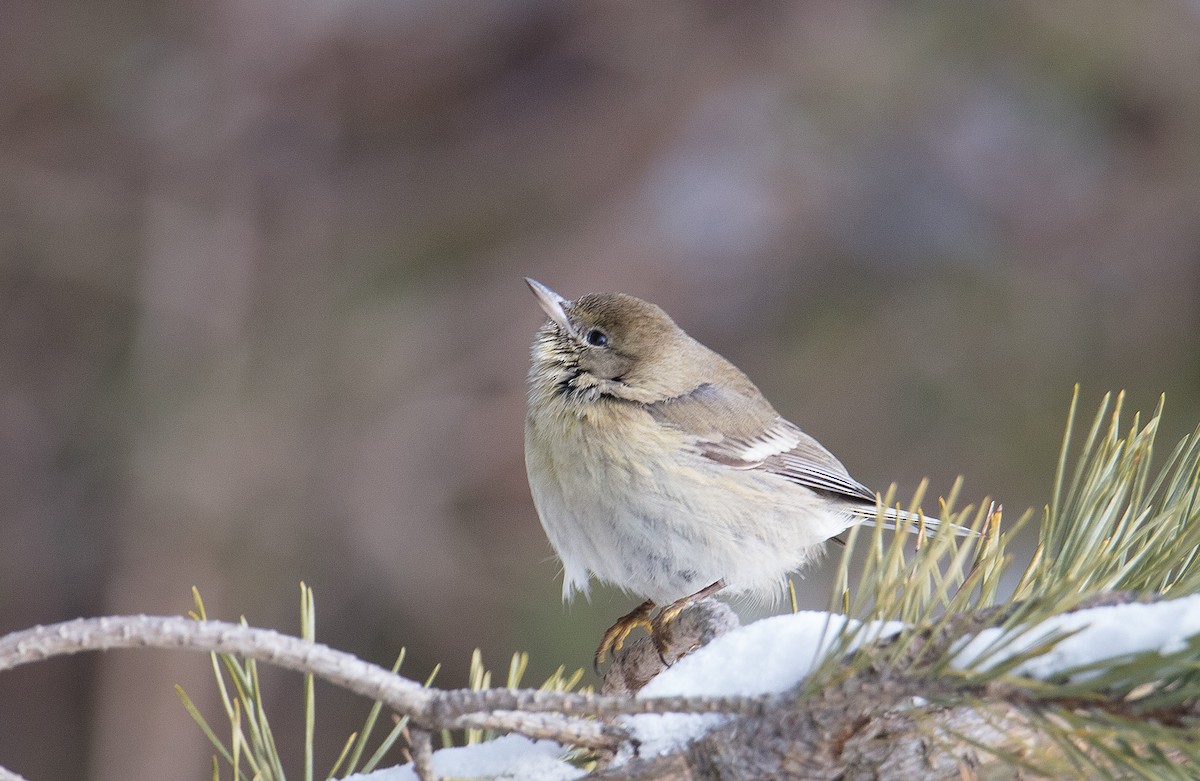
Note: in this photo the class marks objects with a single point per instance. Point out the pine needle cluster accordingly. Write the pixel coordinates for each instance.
(1116, 530)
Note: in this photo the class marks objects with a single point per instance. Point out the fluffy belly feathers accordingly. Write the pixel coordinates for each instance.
(609, 513)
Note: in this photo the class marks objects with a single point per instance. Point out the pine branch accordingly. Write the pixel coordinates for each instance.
(432, 709)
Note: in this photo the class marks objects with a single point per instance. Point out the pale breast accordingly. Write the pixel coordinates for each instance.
(664, 526)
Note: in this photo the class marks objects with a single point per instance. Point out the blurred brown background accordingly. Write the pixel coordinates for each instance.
(262, 318)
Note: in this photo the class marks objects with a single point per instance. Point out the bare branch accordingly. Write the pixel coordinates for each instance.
(429, 708)
(100, 634)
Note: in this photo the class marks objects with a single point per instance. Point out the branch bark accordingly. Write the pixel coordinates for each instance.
(536, 714)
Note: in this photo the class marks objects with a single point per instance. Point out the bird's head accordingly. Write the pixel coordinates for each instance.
(612, 344)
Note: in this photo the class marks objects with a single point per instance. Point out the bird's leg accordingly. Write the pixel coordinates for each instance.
(614, 636)
(668, 614)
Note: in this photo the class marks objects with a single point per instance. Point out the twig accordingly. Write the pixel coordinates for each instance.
(553, 715)
(422, 753)
(100, 634)
(585, 733)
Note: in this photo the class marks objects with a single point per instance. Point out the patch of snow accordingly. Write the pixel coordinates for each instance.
(771, 655)
(508, 758)
(1101, 633)
(775, 654)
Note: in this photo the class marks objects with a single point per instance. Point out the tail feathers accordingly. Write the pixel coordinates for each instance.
(890, 518)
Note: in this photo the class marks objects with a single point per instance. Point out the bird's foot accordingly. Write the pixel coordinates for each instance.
(614, 636)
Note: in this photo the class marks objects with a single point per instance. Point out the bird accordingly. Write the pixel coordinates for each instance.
(656, 465)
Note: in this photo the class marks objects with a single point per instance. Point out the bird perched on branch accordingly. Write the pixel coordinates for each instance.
(657, 465)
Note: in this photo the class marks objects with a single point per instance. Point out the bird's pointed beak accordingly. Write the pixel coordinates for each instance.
(552, 303)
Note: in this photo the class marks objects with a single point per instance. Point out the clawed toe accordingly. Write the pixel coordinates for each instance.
(657, 627)
(614, 636)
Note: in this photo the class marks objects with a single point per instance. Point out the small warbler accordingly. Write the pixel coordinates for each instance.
(658, 466)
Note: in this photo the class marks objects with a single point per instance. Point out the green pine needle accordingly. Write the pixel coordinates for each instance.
(1114, 523)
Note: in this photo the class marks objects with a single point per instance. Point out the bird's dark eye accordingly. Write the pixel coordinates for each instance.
(596, 338)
